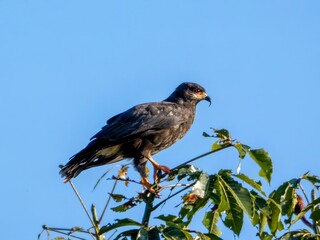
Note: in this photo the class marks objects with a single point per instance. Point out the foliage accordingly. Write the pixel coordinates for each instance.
(223, 196)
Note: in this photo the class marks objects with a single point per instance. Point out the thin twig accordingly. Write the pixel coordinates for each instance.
(176, 193)
(304, 193)
(203, 155)
(75, 229)
(85, 209)
(124, 179)
(108, 201)
(176, 185)
(60, 231)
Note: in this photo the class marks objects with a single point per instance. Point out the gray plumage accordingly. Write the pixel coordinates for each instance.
(140, 132)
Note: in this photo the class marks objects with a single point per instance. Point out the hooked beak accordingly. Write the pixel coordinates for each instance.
(207, 98)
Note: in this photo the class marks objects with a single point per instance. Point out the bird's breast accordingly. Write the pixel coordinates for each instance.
(168, 137)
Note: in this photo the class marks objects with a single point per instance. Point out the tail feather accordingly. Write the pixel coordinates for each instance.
(95, 154)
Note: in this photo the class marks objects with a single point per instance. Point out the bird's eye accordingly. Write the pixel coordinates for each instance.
(197, 90)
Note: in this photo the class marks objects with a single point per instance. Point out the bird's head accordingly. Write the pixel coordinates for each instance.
(190, 92)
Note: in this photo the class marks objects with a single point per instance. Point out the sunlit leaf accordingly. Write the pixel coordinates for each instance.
(215, 146)
(285, 196)
(126, 206)
(298, 235)
(199, 204)
(173, 233)
(172, 220)
(265, 236)
(122, 173)
(233, 204)
(274, 219)
(234, 218)
(210, 236)
(185, 171)
(132, 233)
(223, 134)
(240, 194)
(262, 158)
(311, 178)
(210, 221)
(200, 186)
(242, 149)
(262, 223)
(119, 223)
(117, 197)
(251, 182)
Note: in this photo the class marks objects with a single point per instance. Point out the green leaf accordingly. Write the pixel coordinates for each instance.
(173, 233)
(132, 233)
(305, 210)
(275, 215)
(215, 146)
(189, 210)
(234, 218)
(119, 223)
(251, 182)
(262, 158)
(185, 171)
(240, 194)
(99, 180)
(206, 134)
(265, 236)
(213, 189)
(298, 235)
(242, 149)
(223, 134)
(207, 236)
(210, 220)
(126, 206)
(142, 234)
(232, 197)
(154, 233)
(201, 184)
(117, 197)
(262, 224)
(286, 197)
(315, 215)
(172, 220)
(311, 178)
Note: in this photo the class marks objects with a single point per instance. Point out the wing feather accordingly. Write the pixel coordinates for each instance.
(140, 120)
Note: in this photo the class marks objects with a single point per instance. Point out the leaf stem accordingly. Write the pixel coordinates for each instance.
(63, 230)
(108, 201)
(86, 210)
(148, 209)
(171, 196)
(204, 155)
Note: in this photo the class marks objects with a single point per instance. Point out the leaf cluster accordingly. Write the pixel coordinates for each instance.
(224, 197)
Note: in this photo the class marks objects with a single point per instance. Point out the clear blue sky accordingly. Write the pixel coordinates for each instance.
(67, 66)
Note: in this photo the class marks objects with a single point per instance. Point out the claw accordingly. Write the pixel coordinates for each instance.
(145, 182)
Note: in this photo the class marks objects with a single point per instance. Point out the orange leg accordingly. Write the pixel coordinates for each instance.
(145, 182)
(156, 167)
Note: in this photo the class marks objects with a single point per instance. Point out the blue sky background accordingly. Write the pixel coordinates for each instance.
(67, 66)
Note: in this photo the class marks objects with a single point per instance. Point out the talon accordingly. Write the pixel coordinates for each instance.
(165, 169)
(145, 182)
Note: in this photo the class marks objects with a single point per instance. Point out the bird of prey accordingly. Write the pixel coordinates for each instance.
(139, 133)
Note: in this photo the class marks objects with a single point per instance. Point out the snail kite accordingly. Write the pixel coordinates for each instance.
(140, 132)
